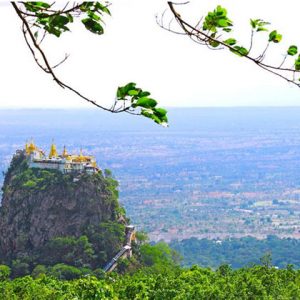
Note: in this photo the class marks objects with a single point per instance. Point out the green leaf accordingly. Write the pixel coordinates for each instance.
(144, 94)
(272, 35)
(54, 24)
(217, 19)
(36, 6)
(297, 64)
(263, 23)
(214, 44)
(128, 87)
(293, 50)
(145, 106)
(150, 114)
(120, 93)
(278, 38)
(41, 4)
(253, 23)
(59, 21)
(240, 51)
(85, 6)
(42, 18)
(155, 115)
(52, 30)
(261, 29)
(259, 24)
(133, 92)
(220, 11)
(161, 112)
(230, 42)
(123, 91)
(101, 7)
(70, 17)
(223, 23)
(93, 16)
(275, 37)
(92, 26)
(145, 102)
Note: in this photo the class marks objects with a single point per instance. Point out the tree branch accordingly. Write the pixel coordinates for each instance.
(202, 37)
(48, 69)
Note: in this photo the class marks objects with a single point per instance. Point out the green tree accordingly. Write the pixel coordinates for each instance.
(19, 268)
(107, 239)
(256, 282)
(159, 254)
(68, 250)
(38, 271)
(63, 271)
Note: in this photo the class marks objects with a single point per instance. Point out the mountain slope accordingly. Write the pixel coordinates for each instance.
(45, 211)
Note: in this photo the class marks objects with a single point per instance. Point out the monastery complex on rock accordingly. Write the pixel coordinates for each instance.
(66, 163)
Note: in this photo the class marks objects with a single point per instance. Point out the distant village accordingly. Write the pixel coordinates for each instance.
(64, 162)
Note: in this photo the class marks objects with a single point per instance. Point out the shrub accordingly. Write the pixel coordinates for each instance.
(4, 272)
(38, 270)
(62, 271)
(19, 268)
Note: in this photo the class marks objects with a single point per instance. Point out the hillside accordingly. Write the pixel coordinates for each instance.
(238, 253)
(48, 218)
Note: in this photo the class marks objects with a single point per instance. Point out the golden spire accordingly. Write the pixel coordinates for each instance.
(26, 148)
(65, 153)
(80, 157)
(30, 148)
(53, 151)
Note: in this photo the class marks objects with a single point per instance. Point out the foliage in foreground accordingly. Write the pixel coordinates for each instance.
(163, 282)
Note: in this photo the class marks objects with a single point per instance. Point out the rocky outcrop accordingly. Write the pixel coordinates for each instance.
(39, 205)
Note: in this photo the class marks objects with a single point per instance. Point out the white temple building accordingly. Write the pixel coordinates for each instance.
(66, 163)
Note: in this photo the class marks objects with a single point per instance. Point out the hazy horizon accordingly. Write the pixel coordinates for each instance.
(167, 107)
(224, 163)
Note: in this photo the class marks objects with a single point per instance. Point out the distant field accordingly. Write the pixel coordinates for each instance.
(215, 173)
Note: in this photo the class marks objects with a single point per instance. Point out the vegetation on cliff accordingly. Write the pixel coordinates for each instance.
(70, 222)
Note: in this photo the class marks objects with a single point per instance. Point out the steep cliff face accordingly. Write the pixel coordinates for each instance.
(39, 205)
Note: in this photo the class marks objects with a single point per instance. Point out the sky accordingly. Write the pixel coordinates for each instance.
(134, 48)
